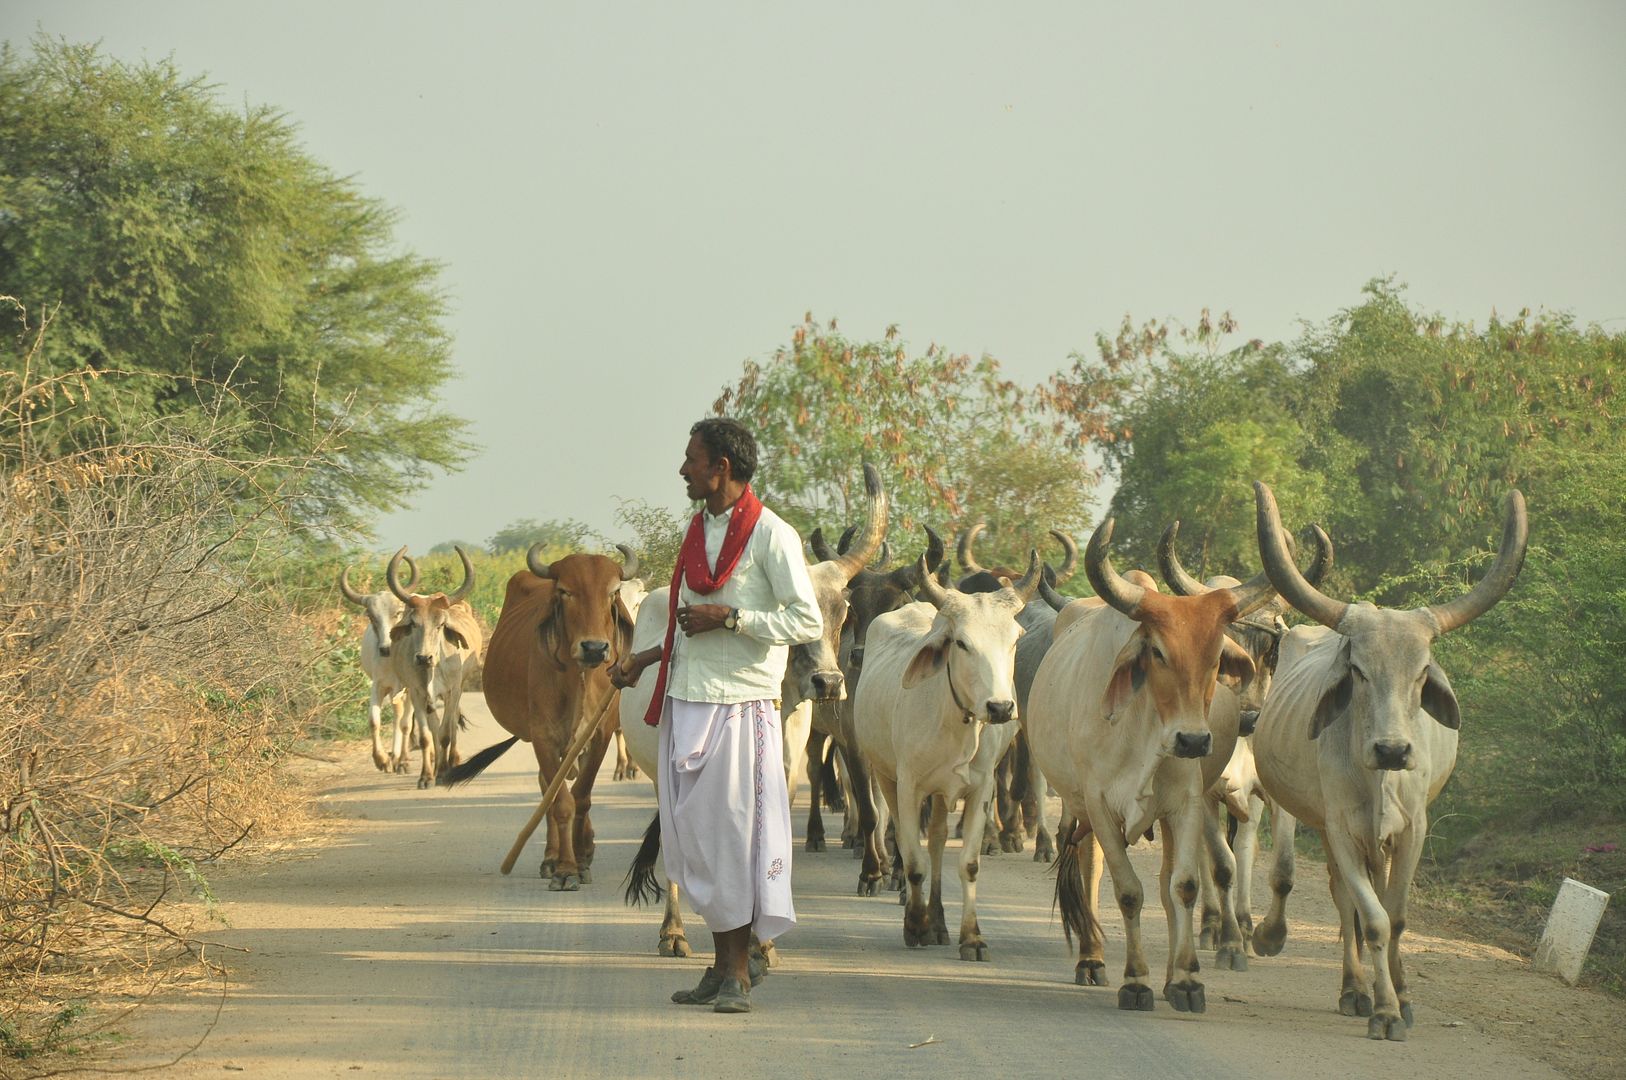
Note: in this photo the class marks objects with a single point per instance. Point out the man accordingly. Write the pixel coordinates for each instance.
(741, 595)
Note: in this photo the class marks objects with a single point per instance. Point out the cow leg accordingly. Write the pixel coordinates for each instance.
(1353, 1000)
(375, 702)
(873, 819)
(1010, 837)
(835, 795)
(904, 802)
(936, 838)
(972, 945)
(452, 719)
(1044, 847)
(796, 723)
(582, 789)
(851, 828)
(1091, 969)
(1208, 893)
(559, 864)
(1182, 869)
(1272, 933)
(815, 789)
(1134, 993)
(401, 733)
(1397, 900)
(1373, 931)
(427, 726)
(1245, 846)
(673, 941)
(1229, 951)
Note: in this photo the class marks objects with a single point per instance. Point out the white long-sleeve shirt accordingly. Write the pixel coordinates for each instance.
(771, 587)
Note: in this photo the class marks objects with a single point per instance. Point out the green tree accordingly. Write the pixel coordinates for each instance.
(955, 442)
(200, 248)
(563, 536)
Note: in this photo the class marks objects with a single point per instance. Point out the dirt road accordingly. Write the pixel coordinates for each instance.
(397, 949)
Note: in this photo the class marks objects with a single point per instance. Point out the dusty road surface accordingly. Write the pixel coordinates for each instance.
(395, 948)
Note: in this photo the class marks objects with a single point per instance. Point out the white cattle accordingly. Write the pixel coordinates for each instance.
(932, 716)
(383, 611)
(1358, 736)
(633, 593)
(433, 646)
(1119, 719)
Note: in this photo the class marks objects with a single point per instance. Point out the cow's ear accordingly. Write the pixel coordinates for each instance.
(1128, 673)
(1439, 700)
(1235, 664)
(457, 639)
(1334, 700)
(623, 620)
(399, 631)
(930, 659)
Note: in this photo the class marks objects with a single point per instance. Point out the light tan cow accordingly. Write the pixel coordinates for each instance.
(433, 646)
(383, 611)
(1119, 719)
(1358, 736)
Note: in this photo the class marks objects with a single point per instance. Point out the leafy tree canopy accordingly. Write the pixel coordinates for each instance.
(955, 442)
(563, 536)
(199, 249)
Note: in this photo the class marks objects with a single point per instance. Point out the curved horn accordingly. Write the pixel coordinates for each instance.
(1029, 583)
(1123, 595)
(412, 564)
(846, 540)
(1069, 562)
(467, 587)
(1323, 554)
(629, 562)
(869, 542)
(1283, 571)
(935, 549)
(393, 577)
(963, 549)
(930, 591)
(886, 553)
(820, 546)
(349, 590)
(1047, 589)
(1168, 560)
(1498, 579)
(1253, 594)
(533, 560)
(909, 577)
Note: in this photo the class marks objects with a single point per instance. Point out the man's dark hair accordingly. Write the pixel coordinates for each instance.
(725, 438)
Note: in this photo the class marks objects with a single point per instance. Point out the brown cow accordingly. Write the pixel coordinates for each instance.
(563, 625)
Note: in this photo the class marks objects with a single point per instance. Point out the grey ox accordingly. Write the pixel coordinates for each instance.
(1357, 737)
(383, 610)
(435, 643)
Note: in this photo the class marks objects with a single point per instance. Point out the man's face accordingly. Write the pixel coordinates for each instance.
(702, 475)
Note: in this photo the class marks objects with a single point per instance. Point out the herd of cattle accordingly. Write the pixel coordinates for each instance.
(1139, 708)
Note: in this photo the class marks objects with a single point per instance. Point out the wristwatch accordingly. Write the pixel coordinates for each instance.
(731, 621)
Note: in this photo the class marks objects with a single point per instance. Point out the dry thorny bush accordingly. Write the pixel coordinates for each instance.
(149, 692)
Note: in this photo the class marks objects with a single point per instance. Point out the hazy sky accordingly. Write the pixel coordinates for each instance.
(630, 200)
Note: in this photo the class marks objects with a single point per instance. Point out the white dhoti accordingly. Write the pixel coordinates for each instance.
(725, 813)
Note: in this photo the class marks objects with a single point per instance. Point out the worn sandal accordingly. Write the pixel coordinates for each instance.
(733, 997)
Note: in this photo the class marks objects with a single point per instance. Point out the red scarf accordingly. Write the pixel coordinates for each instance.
(691, 567)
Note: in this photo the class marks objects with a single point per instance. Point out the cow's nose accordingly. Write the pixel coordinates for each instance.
(383, 650)
(423, 659)
(1000, 712)
(1391, 755)
(826, 685)
(1250, 720)
(595, 653)
(857, 656)
(1187, 745)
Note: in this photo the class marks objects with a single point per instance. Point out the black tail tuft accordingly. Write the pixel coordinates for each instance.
(640, 881)
(1070, 898)
(468, 770)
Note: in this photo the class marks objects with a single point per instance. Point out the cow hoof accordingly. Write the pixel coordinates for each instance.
(547, 867)
(381, 763)
(1135, 997)
(940, 936)
(565, 883)
(1008, 843)
(1390, 1027)
(914, 939)
(767, 952)
(1186, 996)
(401, 767)
(1230, 958)
(867, 888)
(632, 772)
(1269, 938)
(1090, 973)
(1206, 939)
(1406, 1013)
(586, 875)
(425, 783)
(990, 846)
(675, 946)
(1044, 849)
(974, 950)
(815, 843)
(1355, 1003)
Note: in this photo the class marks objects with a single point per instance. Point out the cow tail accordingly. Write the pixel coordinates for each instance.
(1070, 899)
(640, 881)
(468, 770)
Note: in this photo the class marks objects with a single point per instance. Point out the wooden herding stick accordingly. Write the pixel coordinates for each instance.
(558, 781)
